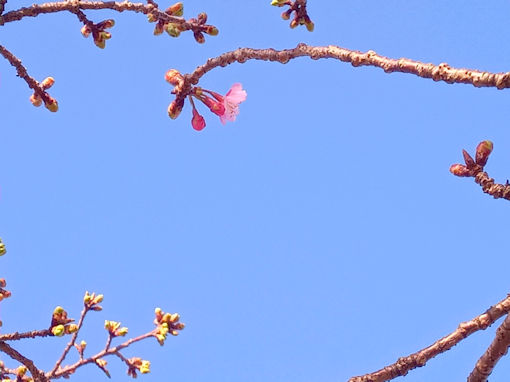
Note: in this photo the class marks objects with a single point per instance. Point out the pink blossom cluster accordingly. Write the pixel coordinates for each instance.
(226, 107)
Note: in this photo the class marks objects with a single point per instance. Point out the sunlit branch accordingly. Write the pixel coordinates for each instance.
(105, 352)
(420, 358)
(37, 374)
(441, 72)
(73, 6)
(497, 349)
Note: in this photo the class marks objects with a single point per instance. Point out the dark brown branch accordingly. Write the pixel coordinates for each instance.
(441, 72)
(490, 187)
(420, 358)
(497, 349)
(37, 374)
(19, 336)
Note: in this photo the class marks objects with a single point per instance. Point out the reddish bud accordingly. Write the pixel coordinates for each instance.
(106, 24)
(85, 31)
(459, 170)
(199, 37)
(36, 100)
(198, 122)
(47, 83)
(159, 28)
(175, 10)
(286, 14)
(211, 30)
(175, 108)
(468, 159)
(483, 150)
(202, 18)
(173, 77)
(215, 106)
(51, 105)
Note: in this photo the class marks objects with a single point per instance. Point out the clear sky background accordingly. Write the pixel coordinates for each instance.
(318, 237)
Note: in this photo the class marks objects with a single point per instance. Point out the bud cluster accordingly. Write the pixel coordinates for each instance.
(299, 10)
(91, 301)
(139, 364)
(98, 32)
(114, 329)
(166, 323)
(37, 97)
(61, 324)
(473, 166)
(197, 25)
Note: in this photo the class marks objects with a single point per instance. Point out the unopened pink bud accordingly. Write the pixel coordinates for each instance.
(173, 77)
(198, 122)
(483, 150)
(459, 170)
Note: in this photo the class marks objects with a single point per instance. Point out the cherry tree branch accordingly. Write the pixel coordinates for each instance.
(441, 72)
(37, 374)
(71, 342)
(76, 5)
(497, 349)
(16, 336)
(65, 371)
(420, 358)
(22, 71)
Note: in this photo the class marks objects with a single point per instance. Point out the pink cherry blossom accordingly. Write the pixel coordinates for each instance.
(231, 102)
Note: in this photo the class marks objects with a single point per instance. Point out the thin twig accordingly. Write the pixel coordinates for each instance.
(71, 368)
(441, 72)
(37, 374)
(420, 358)
(497, 349)
(70, 344)
(20, 69)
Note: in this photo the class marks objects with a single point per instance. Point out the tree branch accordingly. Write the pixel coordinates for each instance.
(19, 336)
(73, 6)
(37, 374)
(105, 352)
(441, 72)
(69, 344)
(420, 358)
(497, 349)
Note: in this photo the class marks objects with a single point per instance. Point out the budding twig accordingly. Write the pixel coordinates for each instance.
(22, 72)
(497, 349)
(72, 6)
(70, 344)
(105, 352)
(441, 72)
(420, 358)
(474, 168)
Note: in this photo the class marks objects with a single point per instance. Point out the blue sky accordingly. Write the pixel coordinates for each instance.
(318, 237)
